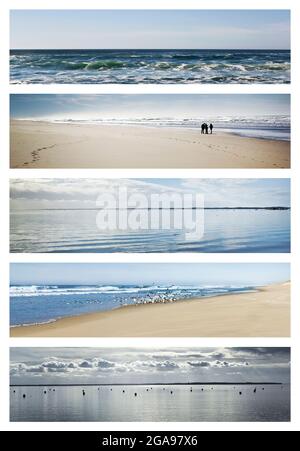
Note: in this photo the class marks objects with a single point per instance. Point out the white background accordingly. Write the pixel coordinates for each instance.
(5, 89)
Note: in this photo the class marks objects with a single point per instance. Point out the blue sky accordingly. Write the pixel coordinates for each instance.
(83, 193)
(76, 106)
(148, 364)
(140, 274)
(214, 29)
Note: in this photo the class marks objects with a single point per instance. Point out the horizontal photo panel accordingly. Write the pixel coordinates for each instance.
(150, 384)
(150, 131)
(150, 215)
(150, 46)
(149, 300)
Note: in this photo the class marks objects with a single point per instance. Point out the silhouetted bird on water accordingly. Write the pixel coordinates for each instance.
(135, 394)
(45, 392)
(123, 391)
(191, 390)
(171, 392)
(241, 393)
(24, 396)
(83, 393)
(254, 390)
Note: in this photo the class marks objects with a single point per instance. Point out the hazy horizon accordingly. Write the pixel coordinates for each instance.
(101, 106)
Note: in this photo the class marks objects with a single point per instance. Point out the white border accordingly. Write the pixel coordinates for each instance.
(5, 173)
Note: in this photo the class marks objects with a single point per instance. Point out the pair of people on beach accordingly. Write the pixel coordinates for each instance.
(205, 127)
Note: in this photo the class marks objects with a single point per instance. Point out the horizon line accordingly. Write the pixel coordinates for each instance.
(162, 48)
(119, 384)
(159, 208)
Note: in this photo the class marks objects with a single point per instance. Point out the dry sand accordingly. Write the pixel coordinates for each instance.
(265, 313)
(37, 144)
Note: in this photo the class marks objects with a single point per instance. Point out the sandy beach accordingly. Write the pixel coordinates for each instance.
(37, 144)
(264, 313)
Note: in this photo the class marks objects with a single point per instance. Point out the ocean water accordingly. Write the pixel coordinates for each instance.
(149, 66)
(41, 304)
(67, 231)
(221, 404)
(275, 127)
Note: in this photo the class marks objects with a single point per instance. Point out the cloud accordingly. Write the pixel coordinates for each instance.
(105, 364)
(83, 193)
(54, 364)
(78, 193)
(224, 364)
(200, 364)
(72, 365)
(86, 364)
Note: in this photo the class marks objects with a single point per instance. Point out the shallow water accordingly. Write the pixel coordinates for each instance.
(247, 231)
(222, 403)
(274, 127)
(39, 304)
(150, 66)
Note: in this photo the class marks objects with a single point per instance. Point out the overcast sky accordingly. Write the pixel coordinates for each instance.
(128, 365)
(138, 29)
(77, 106)
(83, 193)
(140, 274)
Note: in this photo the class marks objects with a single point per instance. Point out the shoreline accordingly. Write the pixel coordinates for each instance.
(51, 321)
(40, 144)
(219, 131)
(265, 313)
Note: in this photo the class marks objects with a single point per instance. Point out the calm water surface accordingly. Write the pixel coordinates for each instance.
(222, 403)
(237, 231)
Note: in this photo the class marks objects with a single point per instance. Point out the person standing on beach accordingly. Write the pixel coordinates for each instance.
(211, 128)
(202, 129)
(206, 129)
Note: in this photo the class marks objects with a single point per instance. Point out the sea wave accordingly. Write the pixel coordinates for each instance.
(152, 66)
(54, 290)
(276, 127)
(268, 122)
